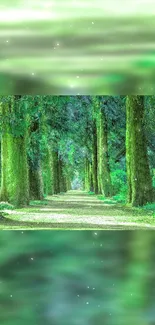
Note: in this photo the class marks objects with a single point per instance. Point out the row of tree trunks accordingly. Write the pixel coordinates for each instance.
(27, 177)
(61, 182)
(24, 179)
(140, 189)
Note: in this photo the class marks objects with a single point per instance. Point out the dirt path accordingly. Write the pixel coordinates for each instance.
(78, 210)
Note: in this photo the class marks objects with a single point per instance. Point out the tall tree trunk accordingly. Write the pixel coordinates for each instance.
(87, 175)
(36, 181)
(68, 184)
(14, 168)
(62, 176)
(46, 155)
(128, 149)
(47, 172)
(94, 158)
(90, 177)
(55, 172)
(105, 179)
(98, 151)
(140, 189)
(35, 164)
(4, 158)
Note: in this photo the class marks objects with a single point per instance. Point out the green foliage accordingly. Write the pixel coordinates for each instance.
(6, 206)
(106, 201)
(119, 181)
(149, 207)
(120, 198)
(101, 197)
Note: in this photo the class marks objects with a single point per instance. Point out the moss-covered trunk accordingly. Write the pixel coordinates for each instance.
(95, 158)
(55, 172)
(104, 168)
(87, 175)
(14, 167)
(90, 177)
(128, 149)
(98, 151)
(35, 164)
(63, 187)
(46, 158)
(47, 172)
(140, 189)
(36, 181)
(4, 159)
(68, 184)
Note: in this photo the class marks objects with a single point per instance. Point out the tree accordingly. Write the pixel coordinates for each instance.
(105, 179)
(140, 190)
(95, 154)
(14, 167)
(34, 158)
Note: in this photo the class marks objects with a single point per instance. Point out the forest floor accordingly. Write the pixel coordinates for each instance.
(77, 210)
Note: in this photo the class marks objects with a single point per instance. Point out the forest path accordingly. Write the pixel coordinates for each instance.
(79, 210)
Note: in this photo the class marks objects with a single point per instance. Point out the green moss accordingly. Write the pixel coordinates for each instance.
(55, 172)
(103, 160)
(88, 175)
(6, 206)
(128, 148)
(35, 164)
(91, 193)
(47, 172)
(36, 182)
(140, 190)
(149, 207)
(95, 152)
(15, 183)
(120, 198)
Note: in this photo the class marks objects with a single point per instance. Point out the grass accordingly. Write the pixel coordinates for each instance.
(91, 193)
(150, 207)
(41, 202)
(139, 214)
(119, 198)
(106, 200)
